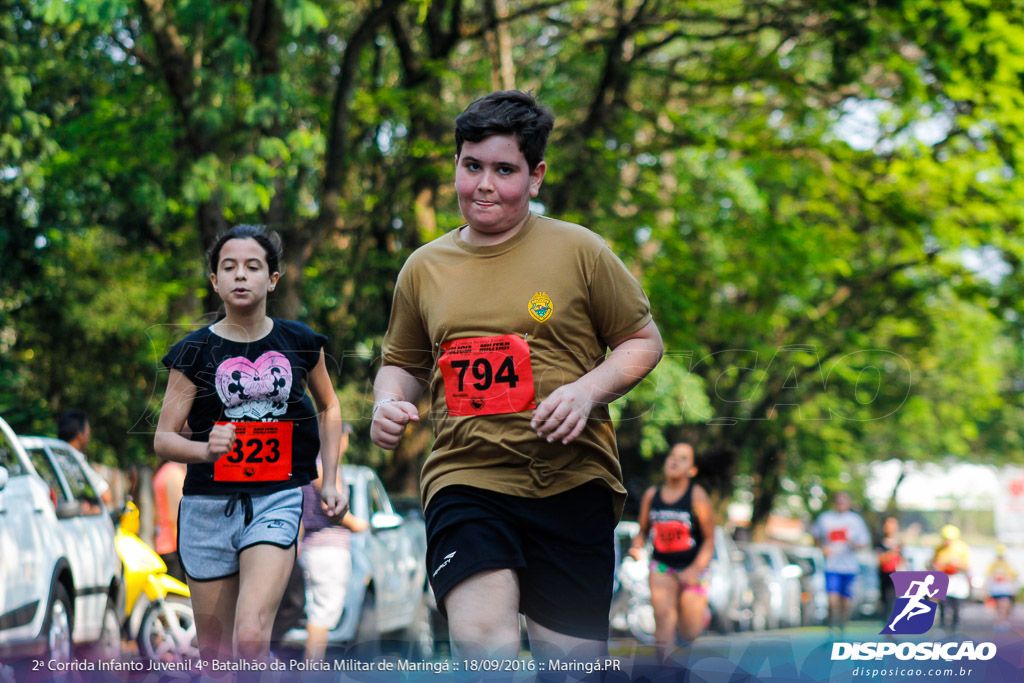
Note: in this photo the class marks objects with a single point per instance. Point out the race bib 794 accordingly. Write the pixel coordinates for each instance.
(262, 452)
(487, 375)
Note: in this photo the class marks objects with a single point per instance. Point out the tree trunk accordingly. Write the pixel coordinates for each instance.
(767, 468)
(287, 300)
(499, 45)
(210, 219)
(144, 499)
(891, 508)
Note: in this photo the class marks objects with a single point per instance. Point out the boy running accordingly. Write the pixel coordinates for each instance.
(509, 319)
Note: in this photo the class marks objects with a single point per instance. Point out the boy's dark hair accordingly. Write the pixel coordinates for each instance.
(71, 423)
(270, 241)
(507, 112)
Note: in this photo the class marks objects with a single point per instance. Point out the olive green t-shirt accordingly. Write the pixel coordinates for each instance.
(558, 287)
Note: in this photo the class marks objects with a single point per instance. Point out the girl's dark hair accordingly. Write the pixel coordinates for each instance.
(507, 112)
(270, 241)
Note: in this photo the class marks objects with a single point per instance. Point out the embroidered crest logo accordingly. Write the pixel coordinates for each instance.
(540, 307)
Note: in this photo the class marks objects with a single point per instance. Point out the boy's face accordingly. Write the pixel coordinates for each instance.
(494, 184)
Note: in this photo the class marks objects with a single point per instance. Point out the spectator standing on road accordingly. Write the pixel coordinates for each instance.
(73, 427)
(510, 320)
(167, 486)
(679, 517)
(253, 440)
(1002, 588)
(326, 557)
(952, 558)
(840, 533)
(890, 559)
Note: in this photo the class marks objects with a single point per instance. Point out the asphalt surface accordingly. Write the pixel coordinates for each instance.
(796, 654)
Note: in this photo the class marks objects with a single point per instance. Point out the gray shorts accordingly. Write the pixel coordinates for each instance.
(213, 530)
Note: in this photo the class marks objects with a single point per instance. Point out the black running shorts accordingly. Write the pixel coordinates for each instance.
(561, 547)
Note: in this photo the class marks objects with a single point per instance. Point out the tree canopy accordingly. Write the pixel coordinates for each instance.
(823, 200)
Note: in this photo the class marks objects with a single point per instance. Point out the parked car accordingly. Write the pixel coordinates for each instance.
(59, 568)
(760, 581)
(781, 578)
(388, 594)
(813, 594)
(867, 594)
(408, 505)
(631, 611)
(729, 595)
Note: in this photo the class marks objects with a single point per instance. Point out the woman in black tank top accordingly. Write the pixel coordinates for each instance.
(680, 521)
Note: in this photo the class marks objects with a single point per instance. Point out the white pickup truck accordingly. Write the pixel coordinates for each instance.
(388, 597)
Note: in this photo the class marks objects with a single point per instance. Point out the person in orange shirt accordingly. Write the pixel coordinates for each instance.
(167, 484)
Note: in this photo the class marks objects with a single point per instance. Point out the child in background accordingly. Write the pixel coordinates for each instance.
(679, 517)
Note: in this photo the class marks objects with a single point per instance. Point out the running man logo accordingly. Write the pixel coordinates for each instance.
(447, 561)
(540, 307)
(917, 594)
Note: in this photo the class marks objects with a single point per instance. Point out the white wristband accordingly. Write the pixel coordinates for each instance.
(387, 400)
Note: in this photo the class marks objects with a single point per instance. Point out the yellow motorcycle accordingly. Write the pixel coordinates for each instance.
(158, 607)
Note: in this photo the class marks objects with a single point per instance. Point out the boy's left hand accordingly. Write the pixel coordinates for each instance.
(563, 414)
(335, 502)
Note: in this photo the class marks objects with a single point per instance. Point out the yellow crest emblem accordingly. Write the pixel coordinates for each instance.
(540, 307)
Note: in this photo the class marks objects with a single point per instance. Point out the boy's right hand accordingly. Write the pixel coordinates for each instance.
(222, 438)
(389, 423)
(636, 553)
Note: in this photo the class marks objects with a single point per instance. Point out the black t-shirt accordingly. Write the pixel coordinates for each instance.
(260, 381)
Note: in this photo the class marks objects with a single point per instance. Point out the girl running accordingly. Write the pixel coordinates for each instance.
(680, 516)
(239, 386)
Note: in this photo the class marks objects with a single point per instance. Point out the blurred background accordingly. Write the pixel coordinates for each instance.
(822, 198)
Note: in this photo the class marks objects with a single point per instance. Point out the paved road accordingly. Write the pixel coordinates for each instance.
(800, 654)
(721, 656)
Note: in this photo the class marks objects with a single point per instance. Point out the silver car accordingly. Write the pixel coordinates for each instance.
(388, 594)
(59, 568)
(814, 598)
(729, 593)
(772, 572)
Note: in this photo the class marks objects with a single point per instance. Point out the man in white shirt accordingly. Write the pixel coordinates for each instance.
(840, 533)
(73, 427)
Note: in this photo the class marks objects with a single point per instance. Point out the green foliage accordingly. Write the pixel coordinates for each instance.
(823, 201)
